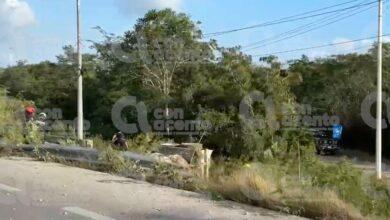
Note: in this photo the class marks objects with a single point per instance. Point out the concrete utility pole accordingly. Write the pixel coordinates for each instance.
(80, 116)
(379, 98)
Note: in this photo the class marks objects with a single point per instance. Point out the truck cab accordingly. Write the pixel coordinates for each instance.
(328, 139)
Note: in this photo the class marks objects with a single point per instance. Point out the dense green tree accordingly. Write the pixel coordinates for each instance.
(338, 85)
(146, 62)
(163, 61)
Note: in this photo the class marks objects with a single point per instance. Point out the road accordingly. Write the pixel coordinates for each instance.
(36, 190)
(360, 160)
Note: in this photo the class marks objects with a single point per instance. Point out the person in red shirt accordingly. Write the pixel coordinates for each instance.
(30, 113)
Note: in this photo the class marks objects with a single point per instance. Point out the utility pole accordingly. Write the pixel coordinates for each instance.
(379, 98)
(80, 116)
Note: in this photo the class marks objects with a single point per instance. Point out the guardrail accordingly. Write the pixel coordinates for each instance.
(77, 153)
(81, 154)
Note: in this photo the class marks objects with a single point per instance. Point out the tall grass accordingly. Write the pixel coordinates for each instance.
(142, 143)
(309, 188)
(323, 191)
(11, 119)
(248, 186)
(145, 143)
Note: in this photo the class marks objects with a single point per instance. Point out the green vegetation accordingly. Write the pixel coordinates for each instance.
(13, 127)
(309, 188)
(11, 115)
(113, 160)
(316, 190)
(337, 85)
(145, 143)
(325, 191)
(209, 88)
(249, 186)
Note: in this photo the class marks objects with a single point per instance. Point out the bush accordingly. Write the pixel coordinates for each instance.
(244, 186)
(380, 194)
(11, 119)
(112, 160)
(167, 175)
(318, 203)
(260, 185)
(101, 144)
(342, 178)
(61, 133)
(145, 143)
(34, 134)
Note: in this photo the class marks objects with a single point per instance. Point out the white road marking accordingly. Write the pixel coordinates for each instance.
(86, 213)
(8, 188)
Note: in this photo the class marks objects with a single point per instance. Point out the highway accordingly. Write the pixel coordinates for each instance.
(359, 159)
(36, 190)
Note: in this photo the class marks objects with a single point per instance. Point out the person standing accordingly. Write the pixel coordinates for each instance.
(30, 113)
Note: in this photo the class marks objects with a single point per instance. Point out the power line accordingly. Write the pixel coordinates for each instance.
(332, 21)
(319, 46)
(287, 19)
(297, 29)
(285, 33)
(292, 18)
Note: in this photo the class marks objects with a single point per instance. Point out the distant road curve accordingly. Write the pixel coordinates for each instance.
(360, 160)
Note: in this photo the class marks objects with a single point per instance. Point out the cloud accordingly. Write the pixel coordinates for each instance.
(343, 47)
(15, 14)
(15, 17)
(386, 39)
(139, 7)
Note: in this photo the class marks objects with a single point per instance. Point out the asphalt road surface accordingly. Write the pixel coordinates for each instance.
(359, 159)
(35, 190)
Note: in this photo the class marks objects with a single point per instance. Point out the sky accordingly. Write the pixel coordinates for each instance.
(36, 30)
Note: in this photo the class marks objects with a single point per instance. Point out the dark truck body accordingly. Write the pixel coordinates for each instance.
(325, 142)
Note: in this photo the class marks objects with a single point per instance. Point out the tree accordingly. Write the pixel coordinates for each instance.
(338, 85)
(164, 61)
(161, 43)
(48, 84)
(166, 41)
